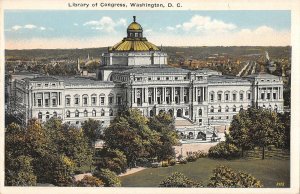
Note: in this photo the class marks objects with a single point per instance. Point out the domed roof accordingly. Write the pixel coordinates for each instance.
(134, 26)
(134, 45)
(134, 40)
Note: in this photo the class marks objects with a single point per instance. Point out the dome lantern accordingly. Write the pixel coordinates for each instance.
(134, 30)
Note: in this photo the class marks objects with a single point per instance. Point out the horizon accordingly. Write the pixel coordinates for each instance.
(31, 29)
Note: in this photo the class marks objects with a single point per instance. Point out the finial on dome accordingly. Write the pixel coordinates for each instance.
(134, 18)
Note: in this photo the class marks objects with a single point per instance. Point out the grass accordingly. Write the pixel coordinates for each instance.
(268, 171)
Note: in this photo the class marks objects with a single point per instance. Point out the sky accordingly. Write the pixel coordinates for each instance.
(50, 29)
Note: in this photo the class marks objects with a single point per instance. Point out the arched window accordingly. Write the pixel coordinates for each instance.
(241, 95)
(76, 113)
(219, 109)
(68, 100)
(76, 100)
(275, 108)
(40, 116)
(85, 100)
(241, 107)
(151, 113)
(234, 96)
(102, 99)
(226, 109)
(68, 114)
(102, 112)
(110, 99)
(55, 114)
(111, 112)
(93, 99)
(234, 108)
(211, 109)
(85, 113)
(94, 113)
(249, 106)
(211, 96)
(47, 115)
(200, 112)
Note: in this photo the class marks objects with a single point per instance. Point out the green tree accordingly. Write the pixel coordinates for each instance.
(226, 177)
(163, 124)
(179, 180)
(130, 134)
(256, 127)
(113, 160)
(109, 178)
(239, 131)
(92, 129)
(19, 171)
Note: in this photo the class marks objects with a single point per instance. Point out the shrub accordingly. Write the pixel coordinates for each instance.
(164, 164)
(226, 177)
(112, 159)
(224, 150)
(179, 180)
(182, 161)
(89, 181)
(172, 162)
(109, 178)
(191, 158)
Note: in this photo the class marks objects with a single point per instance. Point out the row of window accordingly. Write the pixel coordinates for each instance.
(94, 99)
(234, 108)
(86, 113)
(162, 78)
(227, 96)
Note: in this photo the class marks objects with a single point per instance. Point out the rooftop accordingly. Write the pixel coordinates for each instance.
(156, 70)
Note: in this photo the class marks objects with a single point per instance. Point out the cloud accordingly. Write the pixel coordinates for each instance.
(105, 24)
(205, 24)
(75, 24)
(29, 26)
(26, 26)
(16, 27)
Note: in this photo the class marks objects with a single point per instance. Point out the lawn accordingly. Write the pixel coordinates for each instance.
(269, 171)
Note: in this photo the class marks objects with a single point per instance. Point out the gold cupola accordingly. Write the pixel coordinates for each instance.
(134, 40)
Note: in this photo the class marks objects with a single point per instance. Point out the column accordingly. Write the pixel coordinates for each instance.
(190, 94)
(132, 96)
(181, 94)
(164, 95)
(155, 95)
(173, 95)
(146, 95)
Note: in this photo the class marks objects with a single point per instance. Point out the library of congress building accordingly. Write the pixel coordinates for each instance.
(134, 74)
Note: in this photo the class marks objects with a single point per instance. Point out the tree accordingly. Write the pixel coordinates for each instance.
(109, 178)
(266, 129)
(92, 129)
(285, 119)
(162, 124)
(256, 127)
(113, 160)
(89, 181)
(239, 131)
(226, 177)
(19, 171)
(130, 134)
(179, 180)
(224, 150)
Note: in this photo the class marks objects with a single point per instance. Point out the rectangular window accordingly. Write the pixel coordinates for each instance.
(110, 100)
(47, 102)
(68, 101)
(39, 102)
(54, 102)
(241, 97)
(119, 99)
(76, 101)
(94, 100)
(85, 101)
(268, 96)
(219, 97)
(262, 96)
(211, 97)
(226, 97)
(102, 100)
(249, 96)
(274, 96)
(234, 97)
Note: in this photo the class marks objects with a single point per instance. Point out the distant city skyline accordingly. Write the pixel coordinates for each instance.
(50, 29)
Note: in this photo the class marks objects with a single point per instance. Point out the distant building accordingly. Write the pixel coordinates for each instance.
(134, 74)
